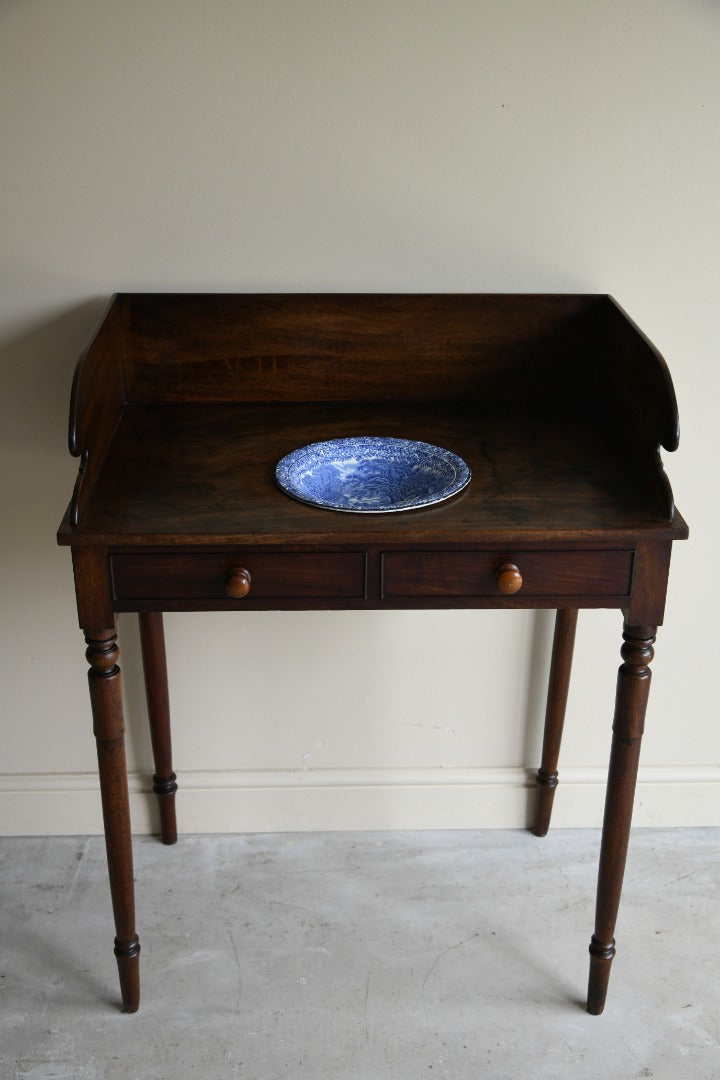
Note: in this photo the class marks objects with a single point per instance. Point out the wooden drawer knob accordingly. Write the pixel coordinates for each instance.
(509, 579)
(237, 582)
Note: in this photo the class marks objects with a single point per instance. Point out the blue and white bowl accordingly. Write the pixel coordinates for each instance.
(372, 475)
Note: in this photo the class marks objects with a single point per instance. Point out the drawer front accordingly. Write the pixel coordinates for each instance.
(183, 576)
(429, 574)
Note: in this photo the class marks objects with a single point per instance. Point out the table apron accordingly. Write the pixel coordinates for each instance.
(186, 580)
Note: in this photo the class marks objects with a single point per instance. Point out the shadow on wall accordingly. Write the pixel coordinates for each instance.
(36, 370)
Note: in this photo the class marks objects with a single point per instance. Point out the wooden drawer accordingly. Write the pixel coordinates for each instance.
(473, 573)
(188, 576)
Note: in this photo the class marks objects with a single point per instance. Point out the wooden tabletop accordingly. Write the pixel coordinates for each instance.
(199, 474)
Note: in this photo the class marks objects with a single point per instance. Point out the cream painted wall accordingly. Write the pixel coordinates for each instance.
(503, 145)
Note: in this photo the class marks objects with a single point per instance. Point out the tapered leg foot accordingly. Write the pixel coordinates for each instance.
(601, 957)
(165, 788)
(152, 641)
(128, 961)
(633, 687)
(560, 668)
(544, 794)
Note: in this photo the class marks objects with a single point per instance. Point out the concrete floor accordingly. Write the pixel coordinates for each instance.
(403, 955)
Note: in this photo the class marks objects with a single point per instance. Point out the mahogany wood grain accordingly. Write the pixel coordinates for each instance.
(93, 588)
(640, 391)
(633, 687)
(173, 576)
(571, 355)
(430, 349)
(97, 403)
(183, 405)
(475, 573)
(109, 730)
(206, 475)
(651, 567)
(560, 668)
(152, 641)
(273, 576)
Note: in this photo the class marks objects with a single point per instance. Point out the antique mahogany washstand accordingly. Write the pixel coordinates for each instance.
(183, 404)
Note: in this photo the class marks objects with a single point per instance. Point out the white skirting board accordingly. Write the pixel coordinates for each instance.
(351, 799)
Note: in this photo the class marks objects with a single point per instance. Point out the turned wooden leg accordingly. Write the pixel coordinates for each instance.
(633, 687)
(152, 640)
(560, 667)
(109, 728)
